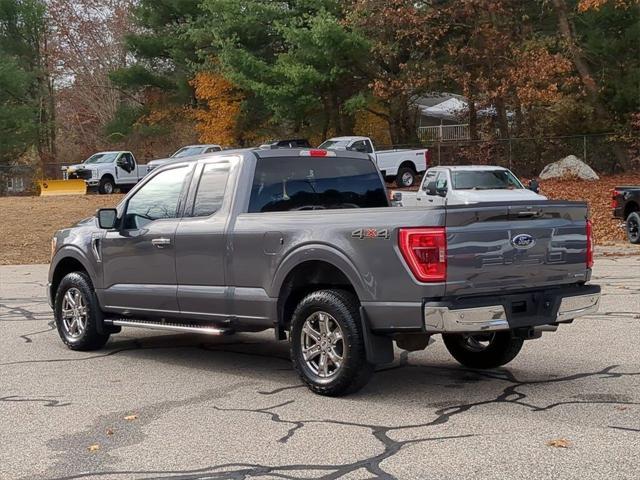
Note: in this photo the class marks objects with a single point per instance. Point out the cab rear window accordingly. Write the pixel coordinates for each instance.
(315, 183)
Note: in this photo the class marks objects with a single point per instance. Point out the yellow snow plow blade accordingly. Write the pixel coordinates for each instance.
(50, 188)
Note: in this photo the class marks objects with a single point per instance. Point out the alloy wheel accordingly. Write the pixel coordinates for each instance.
(74, 313)
(322, 344)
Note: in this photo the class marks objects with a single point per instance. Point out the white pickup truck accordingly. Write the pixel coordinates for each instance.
(465, 184)
(401, 165)
(108, 170)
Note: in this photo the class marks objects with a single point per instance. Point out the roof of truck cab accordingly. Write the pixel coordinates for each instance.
(468, 167)
(201, 145)
(347, 138)
(297, 152)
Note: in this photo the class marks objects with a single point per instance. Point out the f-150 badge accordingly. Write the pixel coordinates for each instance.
(363, 233)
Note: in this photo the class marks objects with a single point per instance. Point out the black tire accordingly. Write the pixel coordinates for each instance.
(343, 309)
(499, 348)
(406, 177)
(89, 338)
(107, 185)
(633, 227)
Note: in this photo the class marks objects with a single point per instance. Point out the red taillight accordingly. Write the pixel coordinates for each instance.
(427, 157)
(425, 251)
(614, 198)
(589, 244)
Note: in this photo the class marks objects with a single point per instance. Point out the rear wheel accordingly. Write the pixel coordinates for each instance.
(327, 346)
(406, 177)
(633, 227)
(483, 350)
(77, 313)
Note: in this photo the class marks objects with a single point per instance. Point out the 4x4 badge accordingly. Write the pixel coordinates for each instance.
(362, 233)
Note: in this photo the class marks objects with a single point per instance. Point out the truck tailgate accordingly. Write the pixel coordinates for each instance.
(522, 245)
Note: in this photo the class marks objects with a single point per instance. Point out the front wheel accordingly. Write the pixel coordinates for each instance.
(406, 177)
(107, 186)
(77, 313)
(327, 345)
(483, 350)
(633, 227)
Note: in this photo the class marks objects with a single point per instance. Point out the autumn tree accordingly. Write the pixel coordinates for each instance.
(87, 45)
(401, 63)
(219, 108)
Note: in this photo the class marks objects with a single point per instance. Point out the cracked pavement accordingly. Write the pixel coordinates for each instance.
(232, 407)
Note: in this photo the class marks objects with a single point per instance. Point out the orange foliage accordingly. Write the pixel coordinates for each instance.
(585, 5)
(373, 126)
(217, 117)
(597, 194)
(538, 76)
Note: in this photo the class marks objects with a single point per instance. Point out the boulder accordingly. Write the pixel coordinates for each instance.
(568, 167)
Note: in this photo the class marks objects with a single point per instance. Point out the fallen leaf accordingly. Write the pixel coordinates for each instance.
(621, 407)
(93, 448)
(559, 443)
(109, 431)
(131, 417)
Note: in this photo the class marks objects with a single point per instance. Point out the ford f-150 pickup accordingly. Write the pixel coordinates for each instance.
(304, 242)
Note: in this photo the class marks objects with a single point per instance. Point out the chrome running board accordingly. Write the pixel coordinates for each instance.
(173, 327)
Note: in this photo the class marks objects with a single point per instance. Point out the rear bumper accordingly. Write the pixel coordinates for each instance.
(505, 312)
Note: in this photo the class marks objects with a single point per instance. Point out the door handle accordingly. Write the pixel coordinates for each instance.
(161, 242)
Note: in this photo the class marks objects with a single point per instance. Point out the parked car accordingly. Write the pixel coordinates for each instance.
(291, 143)
(461, 185)
(625, 203)
(304, 242)
(399, 165)
(108, 170)
(184, 152)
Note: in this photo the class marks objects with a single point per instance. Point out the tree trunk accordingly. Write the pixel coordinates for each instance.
(402, 121)
(584, 70)
(473, 119)
(503, 122)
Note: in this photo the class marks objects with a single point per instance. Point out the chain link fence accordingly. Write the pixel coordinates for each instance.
(605, 153)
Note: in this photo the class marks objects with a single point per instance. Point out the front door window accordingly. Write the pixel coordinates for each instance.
(157, 199)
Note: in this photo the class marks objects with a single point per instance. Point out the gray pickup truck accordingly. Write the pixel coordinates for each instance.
(304, 242)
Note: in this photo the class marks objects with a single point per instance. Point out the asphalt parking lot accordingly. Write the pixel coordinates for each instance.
(156, 405)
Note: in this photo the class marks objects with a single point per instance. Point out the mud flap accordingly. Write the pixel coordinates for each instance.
(379, 348)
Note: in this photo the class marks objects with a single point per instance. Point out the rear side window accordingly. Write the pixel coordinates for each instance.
(211, 187)
(315, 183)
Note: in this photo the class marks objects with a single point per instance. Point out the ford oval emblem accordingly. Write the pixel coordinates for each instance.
(523, 241)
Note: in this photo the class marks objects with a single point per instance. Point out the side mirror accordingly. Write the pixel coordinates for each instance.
(534, 186)
(107, 218)
(441, 191)
(121, 162)
(430, 188)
